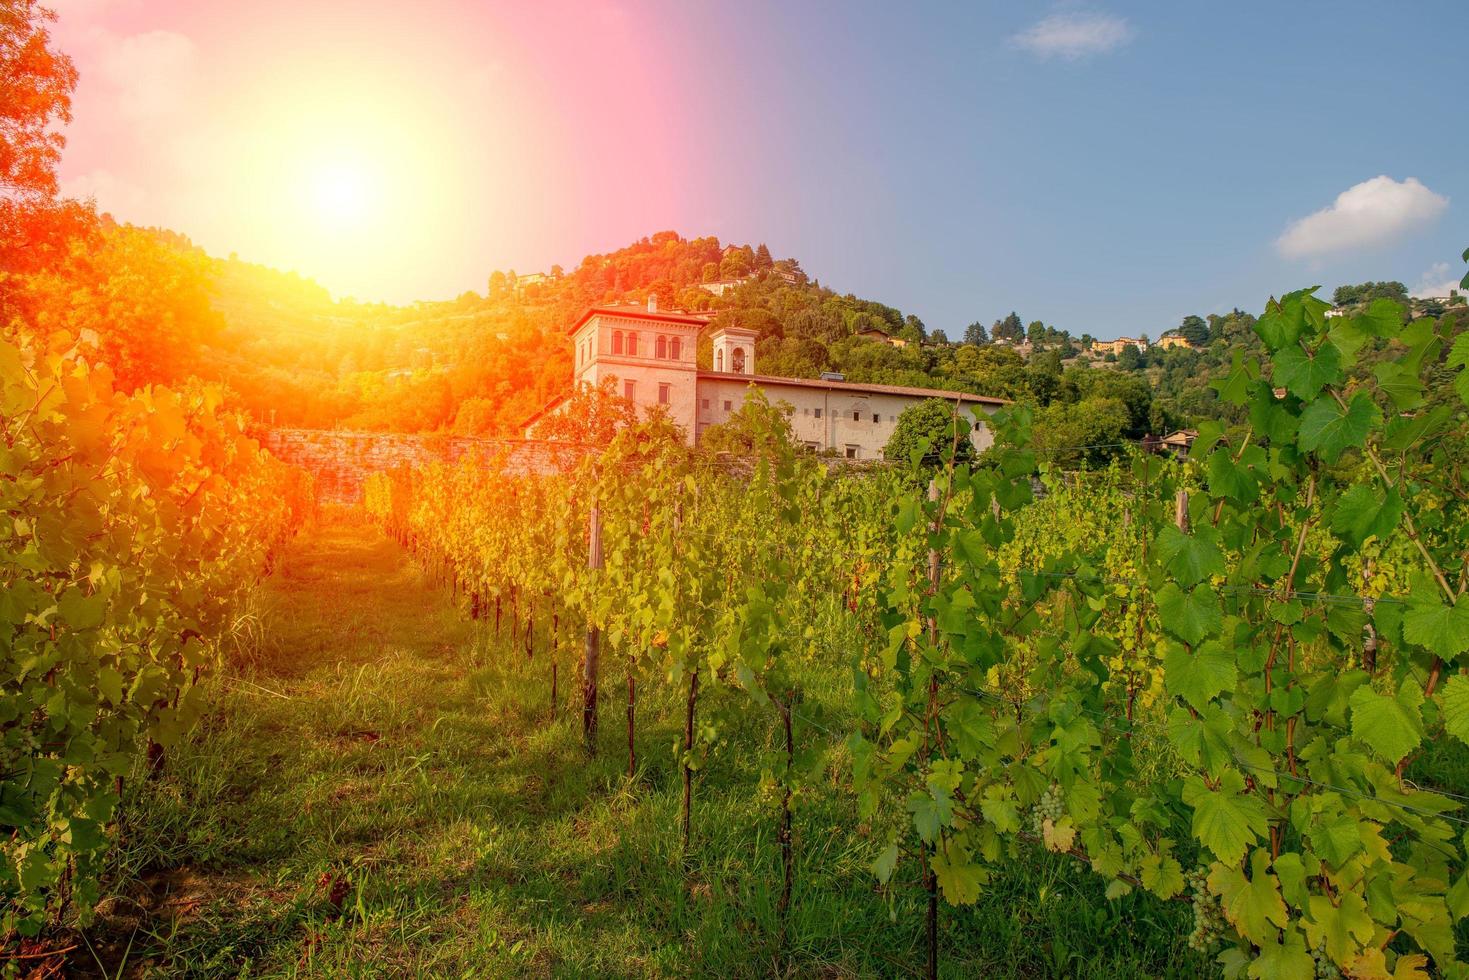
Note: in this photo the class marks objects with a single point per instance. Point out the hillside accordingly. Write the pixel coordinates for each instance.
(480, 364)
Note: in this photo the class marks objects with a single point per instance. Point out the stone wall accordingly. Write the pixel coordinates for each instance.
(342, 460)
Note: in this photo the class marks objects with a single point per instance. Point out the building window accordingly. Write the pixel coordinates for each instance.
(629, 388)
(813, 446)
(726, 404)
(617, 341)
(632, 345)
(662, 347)
(851, 452)
(817, 411)
(876, 418)
(892, 418)
(737, 360)
(719, 360)
(856, 416)
(665, 394)
(675, 349)
(706, 403)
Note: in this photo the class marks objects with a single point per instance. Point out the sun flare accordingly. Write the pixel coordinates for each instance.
(341, 193)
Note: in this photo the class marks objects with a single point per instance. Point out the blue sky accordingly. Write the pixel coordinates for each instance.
(927, 158)
(1108, 168)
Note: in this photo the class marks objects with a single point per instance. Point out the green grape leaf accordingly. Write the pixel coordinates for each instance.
(1385, 723)
(1459, 353)
(1328, 430)
(81, 611)
(1343, 928)
(885, 862)
(1456, 707)
(1361, 514)
(1304, 373)
(1439, 628)
(1230, 479)
(1190, 616)
(930, 813)
(1191, 558)
(1253, 904)
(1284, 959)
(1161, 874)
(1226, 820)
(960, 881)
(1401, 384)
(1199, 675)
(1382, 317)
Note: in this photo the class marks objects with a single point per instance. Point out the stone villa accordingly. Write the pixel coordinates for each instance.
(652, 356)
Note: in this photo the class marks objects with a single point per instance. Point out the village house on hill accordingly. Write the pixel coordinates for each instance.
(1116, 347)
(652, 355)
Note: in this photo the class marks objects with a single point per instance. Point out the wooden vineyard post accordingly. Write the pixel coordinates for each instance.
(594, 639)
(555, 635)
(1180, 510)
(930, 880)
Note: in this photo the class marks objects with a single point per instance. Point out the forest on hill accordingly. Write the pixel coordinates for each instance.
(482, 363)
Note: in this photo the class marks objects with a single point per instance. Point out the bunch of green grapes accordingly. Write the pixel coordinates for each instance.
(1326, 969)
(1209, 924)
(1050, 807)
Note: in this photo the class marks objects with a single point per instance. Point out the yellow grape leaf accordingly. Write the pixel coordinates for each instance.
(1058, 835)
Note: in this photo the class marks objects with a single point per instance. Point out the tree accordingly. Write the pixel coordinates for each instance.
(939, 337)
(1194, 330)
(1035, 333)
(913, 329)
(930, 423)
(1366, 292)
(498, 285)
(756, 428)
(1130, 359)
(763, 261)
(35, 96)
(1009, 329)
(975, 334)
(592, 416)
(710, 272)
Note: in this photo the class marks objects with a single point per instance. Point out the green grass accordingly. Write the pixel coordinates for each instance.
(374, 736)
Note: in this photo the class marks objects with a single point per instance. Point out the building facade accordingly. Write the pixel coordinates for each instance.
(653, 357)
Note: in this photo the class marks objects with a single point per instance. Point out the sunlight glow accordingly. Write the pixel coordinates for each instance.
(342, 194)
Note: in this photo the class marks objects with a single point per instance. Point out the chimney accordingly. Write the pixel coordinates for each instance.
(652, 302)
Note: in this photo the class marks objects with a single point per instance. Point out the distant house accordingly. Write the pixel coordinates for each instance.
(721, 286)
(1116, 347)
(522, 283)
(1169, 340)
(872, 333)
(1179, 442)
(729, 250)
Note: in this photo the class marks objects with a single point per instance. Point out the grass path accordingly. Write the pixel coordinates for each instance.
(379, 792)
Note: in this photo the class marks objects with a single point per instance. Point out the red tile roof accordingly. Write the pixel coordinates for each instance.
(854, 386)
(639, 313)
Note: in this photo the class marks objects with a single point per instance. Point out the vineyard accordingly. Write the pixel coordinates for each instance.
(1226, 690)
(1218, 680)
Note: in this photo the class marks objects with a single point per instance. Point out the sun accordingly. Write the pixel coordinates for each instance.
(342, 193)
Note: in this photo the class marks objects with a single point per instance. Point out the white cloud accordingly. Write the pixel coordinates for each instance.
(1439, 280)
(1374, 212)
(1071, 36)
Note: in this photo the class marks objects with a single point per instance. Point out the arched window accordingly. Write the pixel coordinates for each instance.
(632, 344)
(617, 341)
(719, 360)
(662, 347)
(737, 360)
(674, 348)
